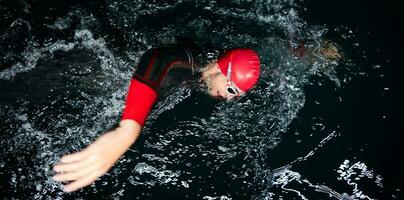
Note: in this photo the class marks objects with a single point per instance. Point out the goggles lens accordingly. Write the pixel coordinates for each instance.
(231, 90)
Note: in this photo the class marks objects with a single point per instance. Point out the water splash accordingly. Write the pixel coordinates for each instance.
(45, 124)
(283, 176)
(162, 177)
(31, 57)
(217, 198)
(349, 173)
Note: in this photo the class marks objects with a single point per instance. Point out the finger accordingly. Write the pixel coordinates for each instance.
(75, 175)
(87, 180)
(75, 156)
(73, 166)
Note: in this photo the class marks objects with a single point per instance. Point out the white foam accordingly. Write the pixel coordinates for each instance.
(31, 56)
(283, 176)
(349, 173)
(223, 197)
(162, 177)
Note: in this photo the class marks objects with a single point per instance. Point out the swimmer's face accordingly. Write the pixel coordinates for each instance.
(217, 84)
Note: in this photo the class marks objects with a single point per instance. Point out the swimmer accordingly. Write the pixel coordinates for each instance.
(230, 76)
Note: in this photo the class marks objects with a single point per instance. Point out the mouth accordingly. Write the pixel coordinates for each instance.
(217, 96)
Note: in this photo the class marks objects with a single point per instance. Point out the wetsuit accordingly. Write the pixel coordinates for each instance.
(153, 74)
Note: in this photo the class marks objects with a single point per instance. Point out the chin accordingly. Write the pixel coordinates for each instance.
(212, 94)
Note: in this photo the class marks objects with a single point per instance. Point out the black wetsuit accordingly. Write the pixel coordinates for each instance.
(158, 70)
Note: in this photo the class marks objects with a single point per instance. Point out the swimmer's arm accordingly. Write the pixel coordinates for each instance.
(84, 167)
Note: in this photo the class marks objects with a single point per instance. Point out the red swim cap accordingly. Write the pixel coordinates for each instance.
(245, 67)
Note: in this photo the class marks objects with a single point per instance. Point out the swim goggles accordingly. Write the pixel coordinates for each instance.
(229, 86)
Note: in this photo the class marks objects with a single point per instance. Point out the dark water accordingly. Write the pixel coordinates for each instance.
(312, 128)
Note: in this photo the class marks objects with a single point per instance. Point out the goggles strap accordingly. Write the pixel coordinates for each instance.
(229, 72)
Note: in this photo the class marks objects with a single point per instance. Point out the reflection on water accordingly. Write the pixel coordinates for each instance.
(68, 85)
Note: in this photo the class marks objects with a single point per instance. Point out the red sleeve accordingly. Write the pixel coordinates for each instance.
(140, 99)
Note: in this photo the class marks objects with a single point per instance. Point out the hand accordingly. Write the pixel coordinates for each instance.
(84, 167)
